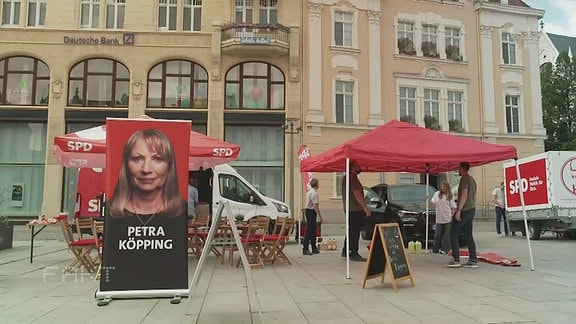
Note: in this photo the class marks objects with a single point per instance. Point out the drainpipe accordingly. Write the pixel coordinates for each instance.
(481, 100)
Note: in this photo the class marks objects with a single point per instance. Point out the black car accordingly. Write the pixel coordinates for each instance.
(404, 204)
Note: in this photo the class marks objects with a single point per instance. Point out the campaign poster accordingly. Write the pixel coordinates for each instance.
(533, 184)
(145, 228)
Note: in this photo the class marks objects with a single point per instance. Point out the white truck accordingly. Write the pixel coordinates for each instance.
(548, 181)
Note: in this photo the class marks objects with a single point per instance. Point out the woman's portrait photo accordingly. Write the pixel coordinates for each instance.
(148, 180)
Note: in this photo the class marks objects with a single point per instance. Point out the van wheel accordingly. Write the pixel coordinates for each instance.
(535, 231)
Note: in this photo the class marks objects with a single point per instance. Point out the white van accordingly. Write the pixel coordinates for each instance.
(224, 183)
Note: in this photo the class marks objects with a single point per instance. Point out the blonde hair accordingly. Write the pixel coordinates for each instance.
(448, 193)
(158, 142)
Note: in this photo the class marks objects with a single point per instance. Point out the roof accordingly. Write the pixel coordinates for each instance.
(563, 43)
(518, 3)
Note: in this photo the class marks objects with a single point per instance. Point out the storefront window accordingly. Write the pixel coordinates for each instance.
(178, 84)
(22, 154)
(24, 81)
(254, 85)
(99, 83)
(261, 159)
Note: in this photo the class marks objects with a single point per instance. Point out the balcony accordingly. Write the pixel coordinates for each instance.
(246, 39)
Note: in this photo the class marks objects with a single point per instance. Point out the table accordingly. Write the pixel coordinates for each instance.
(33, 233)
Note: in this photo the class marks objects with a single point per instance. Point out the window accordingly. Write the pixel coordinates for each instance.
(406, 178)
(254, 85)
(406, 38)
(432, 109)
(99, 83)
(22, 156)
(89, 13)
(343, 23)
(455, 111)
(36, 12)
(268, 11)
(24, 81)
(178, 84)
(453, 44)
(11, 12)
(192, 20)
(167, 11)
(115, 14)
(338, 176)
(344, 102)
(244, 11)
(408, 105)
(513, 114)
(430, 41)
(508, 49)
(261, 160)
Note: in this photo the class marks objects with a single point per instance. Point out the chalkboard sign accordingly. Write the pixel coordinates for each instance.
(387, 252)
(376, 264)
(395, 251)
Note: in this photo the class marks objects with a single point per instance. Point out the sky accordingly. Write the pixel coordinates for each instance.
(560, 16)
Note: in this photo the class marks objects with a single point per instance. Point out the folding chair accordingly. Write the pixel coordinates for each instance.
(83, 226)
(252, 242)
(273, 244)
(97, 233)
(80, 248)
(197, 233)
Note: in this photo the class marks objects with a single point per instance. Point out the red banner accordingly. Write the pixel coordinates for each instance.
(90, 188)
(533, 184)
(146, 235)
(303, 154)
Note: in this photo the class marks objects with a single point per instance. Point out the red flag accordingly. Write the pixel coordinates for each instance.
(303, 154)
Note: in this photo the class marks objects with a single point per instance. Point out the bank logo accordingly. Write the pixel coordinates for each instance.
(128, 39)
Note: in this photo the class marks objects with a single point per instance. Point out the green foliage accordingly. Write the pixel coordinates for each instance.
(559, 103)
(431, 122)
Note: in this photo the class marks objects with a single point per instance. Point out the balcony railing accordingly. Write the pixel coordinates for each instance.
(255, 34)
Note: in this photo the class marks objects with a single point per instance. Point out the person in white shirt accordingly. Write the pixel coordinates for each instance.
(445, 207)
(312, 215)
(500, 208)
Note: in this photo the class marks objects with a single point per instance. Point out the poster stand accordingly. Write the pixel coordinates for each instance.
(251, 285)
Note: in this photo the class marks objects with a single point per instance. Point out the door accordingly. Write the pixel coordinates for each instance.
(242, 198)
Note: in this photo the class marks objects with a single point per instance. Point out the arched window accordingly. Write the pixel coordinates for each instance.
(24, 81)
(176, 84)
(99, 82)
(254, 85)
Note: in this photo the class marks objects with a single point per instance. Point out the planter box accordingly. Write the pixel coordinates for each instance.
(6, 235)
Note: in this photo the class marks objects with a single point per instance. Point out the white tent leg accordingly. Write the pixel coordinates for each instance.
(427, 209)
(524, 214)
(347, 218)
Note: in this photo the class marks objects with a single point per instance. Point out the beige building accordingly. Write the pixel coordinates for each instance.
(461, 66)
(232, 67)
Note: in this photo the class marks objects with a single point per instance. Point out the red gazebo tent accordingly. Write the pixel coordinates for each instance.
(402, 147)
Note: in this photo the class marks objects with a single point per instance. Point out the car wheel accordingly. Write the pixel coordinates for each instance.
(535, 231)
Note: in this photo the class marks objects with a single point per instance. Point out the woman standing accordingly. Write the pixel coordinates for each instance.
(445, 207)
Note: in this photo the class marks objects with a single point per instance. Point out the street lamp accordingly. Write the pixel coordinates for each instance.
(291, 129)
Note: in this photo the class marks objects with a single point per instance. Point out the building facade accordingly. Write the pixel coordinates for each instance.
(460, 66)
(232, 67)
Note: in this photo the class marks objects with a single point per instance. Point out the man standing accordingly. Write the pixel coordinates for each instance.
(463, 218)
(358, 209)
(192, 197)
(498, 199)
(312, 215)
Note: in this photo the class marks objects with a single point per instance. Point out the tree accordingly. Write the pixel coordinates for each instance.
(559, 103)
